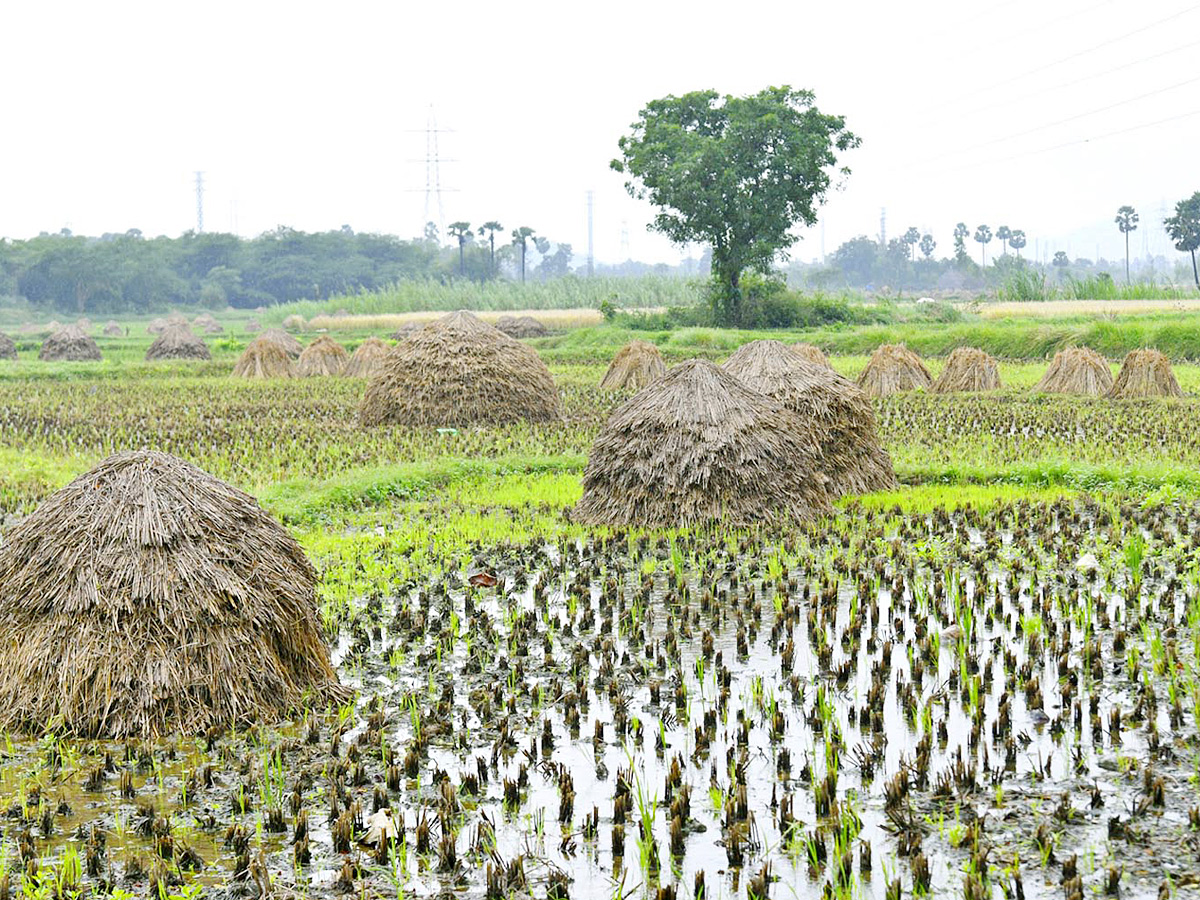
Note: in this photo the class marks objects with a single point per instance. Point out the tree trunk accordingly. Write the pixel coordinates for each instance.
(1127, 257)
(462, 265)
(1195, 274)
(522, 262)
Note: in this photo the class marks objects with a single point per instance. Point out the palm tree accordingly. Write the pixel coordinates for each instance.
(961, 233)
(928, 245)
(1016, 240)
(911, 238)
(520, 237)
(461, 231)
(983, 234)
(1004, 233)
(1184, 229)
(491, 228)
(1127, 219)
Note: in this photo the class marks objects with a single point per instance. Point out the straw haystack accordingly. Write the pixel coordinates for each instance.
(831, 408)
(891, 369)
(146, 598)
(968, 369)
(1145, 373)
(292, 346)
(521, 326)
(367, 359)
(206, 324)
(324, 356)
(263, 359)
(461, 371)
(69, 343)
(113, 329)
(253, 326)
(177, 342)
(8, 350)
(1077, 370)
(636, 365)
(695, 446)
(157, 326)
(812, 353)
(294, 323)
(406, 330)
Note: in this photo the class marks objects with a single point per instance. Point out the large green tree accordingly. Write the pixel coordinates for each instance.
(735, 173)
(983, 234)
(1016, 240)
(1127, 221)
(1184, 229)
(961, 233)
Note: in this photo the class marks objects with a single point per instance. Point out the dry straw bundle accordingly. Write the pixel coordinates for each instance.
(968, 369)
(636, 365)
(147, 597)
(8, 350)
(263, 359)
(113, 328)
(324, 356)
(407, 330)
(696, 446)
(460, 371)
(69, 343)
(207, 324)
(812, 353)
(521, 326)
(177, 342)
(157, 326)
(891, 369)
(1145, 373)
(836, 413)
(294, 323)
(1077, 370)
(253, 326)
(291, 346)
(367, 359)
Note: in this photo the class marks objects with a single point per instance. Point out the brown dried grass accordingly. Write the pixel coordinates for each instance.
(324, 356)
(521, 327)
(292, 346)
(8, 350)
(696, 446)
(147, 597)
(811, 352)
(460, 371)
(635, 365)
(1145, 373)
(893, 368)
(836, 413)
(263, 359)
(177, 342)
(367, 359)
(113, 328)
(968, 369)
(1077, 370)
(69, 343)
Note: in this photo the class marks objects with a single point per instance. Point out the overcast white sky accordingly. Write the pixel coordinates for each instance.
(1040, 114)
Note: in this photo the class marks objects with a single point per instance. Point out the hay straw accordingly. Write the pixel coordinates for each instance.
(635, 365)
(460, 371)
(177, 342)
(695, 446)
(968, 369)
(891, 369)
(1077, 370)
(294, 323)
(263, 359)
(253, 326)
(832, 409)
(367, 359)
(811, 352)
(69, 343)
(521, 327)
(1145, 373)
(157, 326)
(147, 597)
(324, 356)
(292, 346)
(8, 350)
(207, 324)
(113, 328)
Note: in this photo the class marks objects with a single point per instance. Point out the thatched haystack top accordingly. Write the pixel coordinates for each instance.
(8, 350)
(147, 597)
(367, 359)
(324, 356)
(1077, 370)
(461, 371)
(292, 346)
(113, 328)
(811, 352)
(69, 343)
(891, 369)
(968, 369)
(521, 326)
(263, 359)
(1145, 373)
(831, 408)
(695, 446)
(636, 365)
(177, 342)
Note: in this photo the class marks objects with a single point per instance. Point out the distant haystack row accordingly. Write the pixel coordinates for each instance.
(70, 343)
(177, 342)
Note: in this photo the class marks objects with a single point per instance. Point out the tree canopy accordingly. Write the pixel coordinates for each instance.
(736, 173)
(1184, 229)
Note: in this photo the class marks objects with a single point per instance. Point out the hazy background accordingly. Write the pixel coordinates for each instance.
(1040, 116)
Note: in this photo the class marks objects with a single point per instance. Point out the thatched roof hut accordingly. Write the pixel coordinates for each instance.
(324, 356)
(636, 365)
(832, 408)
(695, 446)
(521, 326)
(968, 369)
(1077, 370)
(113, 328)
(461, 371)
(8, 350)
(1145, 373)
(891, 369)
(263, 359)
(177, 342)
(367, 359)
(147, 597)
(69, 343)
(292, 346)
(811, 352)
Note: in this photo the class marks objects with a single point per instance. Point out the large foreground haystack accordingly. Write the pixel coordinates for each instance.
(368, 358)
(636, 365)
(291, 346)
(8, 350)
(812, 353)
(69, 343)
(1145, 373)
(836, 413)
(263, 359)
(521, 326)
(1077, 370)
(461, 371)
(324, 356)
(697, 445)
(968, 369)
(147, 597)
(891, 369)
(177, 342)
